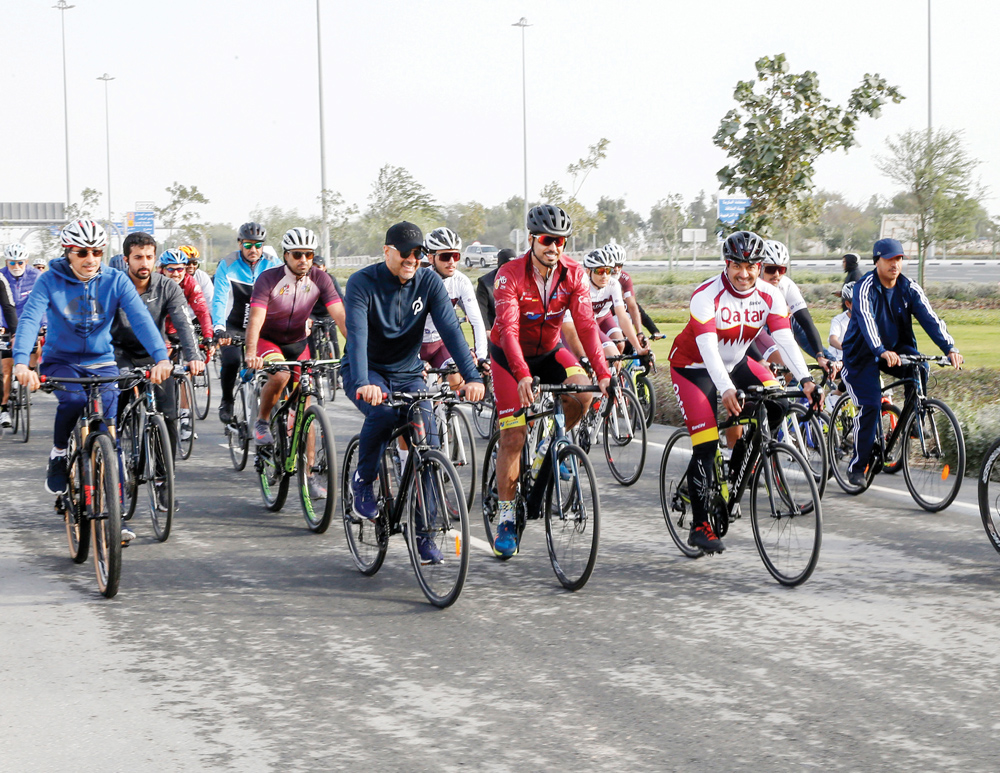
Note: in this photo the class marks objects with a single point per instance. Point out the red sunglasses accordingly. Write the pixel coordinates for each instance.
(547, 240)
(775, 269)
(456, 256)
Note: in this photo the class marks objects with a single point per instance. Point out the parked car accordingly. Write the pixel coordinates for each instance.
(482, 254)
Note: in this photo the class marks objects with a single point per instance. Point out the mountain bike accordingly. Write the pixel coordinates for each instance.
(572, 507)
(785, 509)
(421, 498)
(989, 493)
(91, 507)
(303, 445)
(926, 438)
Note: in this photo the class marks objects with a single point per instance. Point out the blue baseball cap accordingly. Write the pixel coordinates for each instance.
(887, 248)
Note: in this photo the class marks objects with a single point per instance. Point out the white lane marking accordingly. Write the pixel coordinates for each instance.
(906, 494)
(480, 543)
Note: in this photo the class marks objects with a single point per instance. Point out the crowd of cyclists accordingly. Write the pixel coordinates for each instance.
(540, 317)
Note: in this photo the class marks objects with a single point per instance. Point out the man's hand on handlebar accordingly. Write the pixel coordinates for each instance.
(956, 359)
(732, 403)
(161, 371)
(196, 367)
(891, 359)
(604, 383)
(813, 392)
(474, 391)
(26, 377)
(526, 391)
(371, 394)
(254, 361)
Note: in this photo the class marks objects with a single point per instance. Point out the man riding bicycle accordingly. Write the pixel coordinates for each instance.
(533, 294)
(640, 319)
(18, 279)
(880, 329)
(710, 356)
(201, 277)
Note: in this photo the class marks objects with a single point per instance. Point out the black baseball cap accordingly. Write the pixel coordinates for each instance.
(404, 237)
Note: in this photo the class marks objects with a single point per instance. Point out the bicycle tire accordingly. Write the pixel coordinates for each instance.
(573, 531)
(674, 500)
(463, 457)
(810, 441)
(367, 541)
(620, 430)
(159, 476)
(24, 411)
(316, 428)
(77, 523)
(106, 514)
(133, 456)
(269, 464)
(840, 445)
(646, 392)
(890, 418)
(482, 417)
(943, 460)
(186, 447)
(790, 533)
(435, 498)
(202, 385)
(989, 493)
(238, 433)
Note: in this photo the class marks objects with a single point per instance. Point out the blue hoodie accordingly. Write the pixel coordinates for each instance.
(80, 316)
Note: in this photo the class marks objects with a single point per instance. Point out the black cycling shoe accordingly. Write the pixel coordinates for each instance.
(857, 479)
(226, 412)
(703, 537)
(57, 476)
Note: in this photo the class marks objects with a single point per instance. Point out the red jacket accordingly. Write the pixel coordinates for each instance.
(528, 325)
(196, 300)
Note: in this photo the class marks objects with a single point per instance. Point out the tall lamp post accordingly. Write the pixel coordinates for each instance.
(322, 142)
(107, 137)
(522, 23)
(62, 6)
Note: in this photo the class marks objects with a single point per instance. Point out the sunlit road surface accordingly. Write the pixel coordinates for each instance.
(246, 643)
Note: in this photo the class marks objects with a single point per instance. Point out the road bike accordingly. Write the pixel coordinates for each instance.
(457, 441)
(806, 431)
(785, 510)
(572, 507)
(420, 497)
(202, 385)
(989, 493)
(484, 413)
(303, 445)
(91, 507)
(926, 438)
(637, 368)
(324, 328)
(19, 404)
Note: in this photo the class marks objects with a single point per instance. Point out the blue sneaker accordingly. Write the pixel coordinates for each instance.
(364, 505)
(57, 476)
(429, 553)
(505, 543)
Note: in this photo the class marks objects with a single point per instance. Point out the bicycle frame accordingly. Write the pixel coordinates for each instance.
(302, 390)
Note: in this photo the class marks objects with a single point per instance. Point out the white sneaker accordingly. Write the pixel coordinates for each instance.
(127, 536)
(185, 425)
(5, 419)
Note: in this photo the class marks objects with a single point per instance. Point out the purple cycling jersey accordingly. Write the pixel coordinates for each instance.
(289, 300)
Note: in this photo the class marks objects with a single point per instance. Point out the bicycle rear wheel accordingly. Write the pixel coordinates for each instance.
(185, 424)
(989, 493)
(646, 393)
(202, 385)
(159, 474)
(238, 433)
(890, 418)
(366, 540)
(572, 518)
(77, 524)
(933, 455)
(133, 461)
(462, 452)
(674, 499)
(624, 434)
(317, 469)
(785, 514)
(106, 514)
(840, 444)
(435, 499)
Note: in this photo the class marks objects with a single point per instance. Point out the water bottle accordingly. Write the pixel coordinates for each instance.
(540, 453)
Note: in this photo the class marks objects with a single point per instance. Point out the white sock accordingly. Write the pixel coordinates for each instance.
(507, 511)
(57, 452)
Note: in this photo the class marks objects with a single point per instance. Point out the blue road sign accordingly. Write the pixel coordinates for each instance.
(140, 221)
(730, 209)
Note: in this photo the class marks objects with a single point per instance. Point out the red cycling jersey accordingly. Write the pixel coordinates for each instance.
(628, 290)
(196, 300)
(528, 325)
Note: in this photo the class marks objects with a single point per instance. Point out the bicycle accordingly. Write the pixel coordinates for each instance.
(147, 458)
(91, 507)
(427, 489)
(304, 445)
(323, 330)
(989, 493)
(457, 440)
(637, 368)
(804, 430)
(19, 404)
(201, 385)
(184, 424)
(785, 510)
(572, 507)
(927, 438)
(246, 401)
(484, 412)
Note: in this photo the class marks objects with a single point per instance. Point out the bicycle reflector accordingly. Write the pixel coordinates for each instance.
(945, 472)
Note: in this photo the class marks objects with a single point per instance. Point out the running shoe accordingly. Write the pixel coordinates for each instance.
(226, 412)
(57, 477)
(363, 494)
(505, 543)
(429, 553)
(262, 433)
(703, 537)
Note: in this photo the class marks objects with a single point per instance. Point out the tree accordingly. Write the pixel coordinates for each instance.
(467, 220)
(935, 170)
(173, 215)
(618, 222)
(85, 207)
(338, 218)
(774, 138)
(395, 196)
(667, 219)
(582, 168)
(585, 222)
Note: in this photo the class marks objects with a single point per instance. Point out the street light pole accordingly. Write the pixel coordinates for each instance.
(522, 23)
(62, 6)
(929, 123)
(107, 135)
(322, 143)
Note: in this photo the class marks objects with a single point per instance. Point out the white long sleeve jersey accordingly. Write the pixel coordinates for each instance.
(462, 293)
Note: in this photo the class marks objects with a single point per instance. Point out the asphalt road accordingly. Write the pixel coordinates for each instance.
(246, 643)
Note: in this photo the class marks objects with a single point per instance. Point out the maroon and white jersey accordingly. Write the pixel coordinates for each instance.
(628, 290)
(604, 300)
(723, 324)
(289, 301)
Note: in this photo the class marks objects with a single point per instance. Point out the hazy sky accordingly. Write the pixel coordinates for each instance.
(223, 94)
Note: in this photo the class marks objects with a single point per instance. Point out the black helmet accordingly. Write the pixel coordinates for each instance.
(319, 260)
(743, 247)
(252, 232)
(549, 219)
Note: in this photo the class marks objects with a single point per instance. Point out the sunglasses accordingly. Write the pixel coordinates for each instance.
(299, 254)
(251, 245)
(603, 270)
(15, 262)
(456, 256)
(173, 269)
(415, 252)
(547, 240)
(775, 269)
(85, 253)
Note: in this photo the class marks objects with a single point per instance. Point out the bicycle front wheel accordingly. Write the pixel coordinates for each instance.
(270, 466)
(133, 460)
(317, 469)
(933, 455)
(185, 424)
(24, 410)
(989, 493)
(366, 540)
(890, 418)
(624, 434)
(238, 433)
(646, 393)
(202, 385)
(572, 518)
(483, 417)
(77, 524)
(807, 437)
(159, 476)
(785, 514)
(840, 444)
(462, 452)
(437, 530)
(675, 501)
(106, 514)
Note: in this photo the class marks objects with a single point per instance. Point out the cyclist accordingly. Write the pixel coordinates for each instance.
(444, 249)
(162, 298)
(880, 329)
(40, 263)
(387, 305)
(19, 280)
(282, 301)
(533, 293)
(484, 288)
(838, 328)
(640, 319)
(202, 278)
(234, 280)
(709, 356)
(81, 299)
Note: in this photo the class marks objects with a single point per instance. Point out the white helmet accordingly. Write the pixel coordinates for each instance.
(775, 254)
(598, 258)
(616, 252)
(299, 239)
(442, 239)
(15, 251)
(39, 261)
(84, 233)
